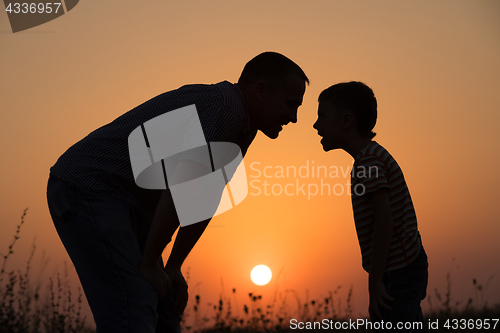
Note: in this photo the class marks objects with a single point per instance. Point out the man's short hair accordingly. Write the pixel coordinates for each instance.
(358, 98)
(271, 67)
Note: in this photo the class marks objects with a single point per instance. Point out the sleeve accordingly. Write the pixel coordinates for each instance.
(369, 175)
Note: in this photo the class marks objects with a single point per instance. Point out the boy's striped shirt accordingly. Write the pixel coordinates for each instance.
(374, 168)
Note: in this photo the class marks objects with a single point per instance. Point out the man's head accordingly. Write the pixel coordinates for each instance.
(345, 109)
(273, 86)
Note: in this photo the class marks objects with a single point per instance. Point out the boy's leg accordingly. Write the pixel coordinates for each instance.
(408, 287)
(97, 234)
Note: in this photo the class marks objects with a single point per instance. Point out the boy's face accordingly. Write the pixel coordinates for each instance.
(279, 106)
(329, 125)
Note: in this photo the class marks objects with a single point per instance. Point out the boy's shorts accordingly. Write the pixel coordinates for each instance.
(408, 287)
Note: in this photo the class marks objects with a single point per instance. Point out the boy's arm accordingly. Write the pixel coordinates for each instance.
(382, 234)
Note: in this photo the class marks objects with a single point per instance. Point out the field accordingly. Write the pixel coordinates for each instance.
(52, 306)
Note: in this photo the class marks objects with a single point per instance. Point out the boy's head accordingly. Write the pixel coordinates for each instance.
(346, 110)
(273, 87)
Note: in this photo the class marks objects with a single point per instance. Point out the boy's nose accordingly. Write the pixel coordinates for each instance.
(293, 117)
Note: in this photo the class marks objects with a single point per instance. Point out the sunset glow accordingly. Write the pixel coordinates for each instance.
(433, 66)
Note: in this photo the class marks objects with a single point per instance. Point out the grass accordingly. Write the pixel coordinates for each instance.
(273, 317)
(24, 307)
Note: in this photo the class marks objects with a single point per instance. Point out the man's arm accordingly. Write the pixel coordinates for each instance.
(184, 243)
(163, 226)
(382, 234)
(165, 220)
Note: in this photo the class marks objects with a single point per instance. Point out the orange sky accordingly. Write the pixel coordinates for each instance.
(433, 66)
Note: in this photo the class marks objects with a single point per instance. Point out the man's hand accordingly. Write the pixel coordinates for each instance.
(181, 287)
(378, 298)
(155, 275)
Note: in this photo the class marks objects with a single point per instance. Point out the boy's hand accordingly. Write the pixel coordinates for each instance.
(155, 275)
(378, 298)
(181, 287)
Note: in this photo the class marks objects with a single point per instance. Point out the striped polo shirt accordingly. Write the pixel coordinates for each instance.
(101, 163)
(374, 168)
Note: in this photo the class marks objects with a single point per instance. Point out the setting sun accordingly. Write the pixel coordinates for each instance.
(261, 275)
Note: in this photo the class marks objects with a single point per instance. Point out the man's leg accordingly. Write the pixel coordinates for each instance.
(97, 234)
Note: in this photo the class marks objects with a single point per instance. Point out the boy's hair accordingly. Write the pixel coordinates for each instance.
(270, 66)
(358, 98)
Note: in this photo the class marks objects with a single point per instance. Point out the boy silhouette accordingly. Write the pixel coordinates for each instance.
(384, 216)
(115, 232)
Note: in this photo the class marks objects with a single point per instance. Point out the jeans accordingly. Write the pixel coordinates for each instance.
(96, 230)
(408, 287)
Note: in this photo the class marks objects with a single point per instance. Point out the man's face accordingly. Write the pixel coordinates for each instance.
(279, 106)
(329, 125)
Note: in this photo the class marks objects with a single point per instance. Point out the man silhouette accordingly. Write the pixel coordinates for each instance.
(115, 232)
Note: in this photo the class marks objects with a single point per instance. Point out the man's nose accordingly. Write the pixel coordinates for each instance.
(293, 117)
